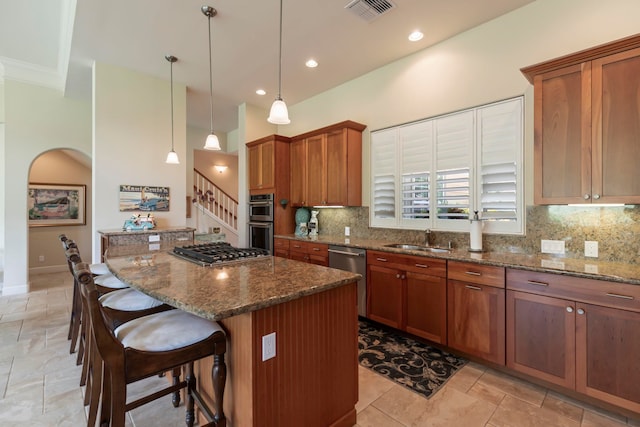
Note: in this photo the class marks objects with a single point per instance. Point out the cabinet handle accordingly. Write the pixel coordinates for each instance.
(474, 288)
(473, 273)
(596, 196)
(422, 265)
(533, 282)
(580, 311)
(619, 296)
(570, 309)
(403, 277)
(381, 259)
(397, 276)
(297, 246)
(586, 197)
(316, 249)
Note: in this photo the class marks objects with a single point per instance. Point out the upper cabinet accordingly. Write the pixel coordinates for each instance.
(326, 166)
(268, 160)
(587, 125)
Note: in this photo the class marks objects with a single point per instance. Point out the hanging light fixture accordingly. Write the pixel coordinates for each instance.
(172, 157)
(212, 142)
(279, 114)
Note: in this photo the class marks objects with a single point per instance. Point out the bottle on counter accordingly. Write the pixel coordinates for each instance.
(313, 224)
(475, 233)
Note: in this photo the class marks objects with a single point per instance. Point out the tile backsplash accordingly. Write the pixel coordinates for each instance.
(616, 229)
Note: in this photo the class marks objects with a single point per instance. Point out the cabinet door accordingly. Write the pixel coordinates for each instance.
(616, 126)
(298, 172)
(426, 306)
(316, 179)
(255, 168)
(384, 295)
(607, 349)
(336, 172)
(562, 136)
(475, 320)
(541, 337)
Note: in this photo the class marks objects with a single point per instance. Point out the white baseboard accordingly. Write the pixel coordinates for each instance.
(49, 269)
(15, 290)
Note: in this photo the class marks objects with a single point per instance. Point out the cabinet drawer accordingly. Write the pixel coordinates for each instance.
(282, 244)
(600, 292)
(321, 249)
(476, 273)
(425, 265)
(297, 246)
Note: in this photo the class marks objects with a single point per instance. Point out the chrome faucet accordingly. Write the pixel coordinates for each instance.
(427, 237)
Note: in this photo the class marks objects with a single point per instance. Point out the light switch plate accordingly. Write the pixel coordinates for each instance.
(591, 249)
(552, 246)
(154, 238)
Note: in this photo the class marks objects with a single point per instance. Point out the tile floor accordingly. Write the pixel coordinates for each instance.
(39, 382)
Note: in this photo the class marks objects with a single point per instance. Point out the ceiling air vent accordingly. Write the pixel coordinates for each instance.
(369, 9)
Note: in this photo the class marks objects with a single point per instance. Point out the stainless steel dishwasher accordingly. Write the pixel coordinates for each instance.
(354, 260)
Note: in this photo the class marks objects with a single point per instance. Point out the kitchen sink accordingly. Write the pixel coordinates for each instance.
(417, 248)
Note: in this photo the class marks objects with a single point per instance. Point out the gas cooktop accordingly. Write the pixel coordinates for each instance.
(217, 253)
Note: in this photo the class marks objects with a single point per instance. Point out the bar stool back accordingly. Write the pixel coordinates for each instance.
(148, 346)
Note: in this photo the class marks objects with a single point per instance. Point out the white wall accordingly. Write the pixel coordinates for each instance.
(479, 66)
(131, 139)
(37, 120)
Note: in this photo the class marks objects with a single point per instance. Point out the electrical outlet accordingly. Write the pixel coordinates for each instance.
(552, 246)
(591, 249)
(154, 238)
(269, 346)
(41, 258)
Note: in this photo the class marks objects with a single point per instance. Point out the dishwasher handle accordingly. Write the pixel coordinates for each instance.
(354, 254)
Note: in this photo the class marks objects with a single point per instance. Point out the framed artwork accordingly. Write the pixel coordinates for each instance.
(144, 198)
(56, 205)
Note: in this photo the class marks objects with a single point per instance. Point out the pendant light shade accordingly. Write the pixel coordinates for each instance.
(279, 115)
(212, 142)
(172, 157)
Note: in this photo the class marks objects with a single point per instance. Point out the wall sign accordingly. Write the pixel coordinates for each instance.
(144, 198)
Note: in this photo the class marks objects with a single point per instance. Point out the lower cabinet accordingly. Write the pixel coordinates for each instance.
(281, 247)
(311, 252)
(582, 334)
(408, 293)
(476, 310)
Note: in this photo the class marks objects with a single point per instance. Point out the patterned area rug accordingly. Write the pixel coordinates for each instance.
(417, 366)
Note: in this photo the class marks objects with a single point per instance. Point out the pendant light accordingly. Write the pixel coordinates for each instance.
(279, 114)
(172, 157)
(212, 142)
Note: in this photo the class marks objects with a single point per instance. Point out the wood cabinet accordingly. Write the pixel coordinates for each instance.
(326, 166)
(268, 161)
(408, 293)
(311, 252)
(476, 310)
(281, 247)
(582, 334)
(587, 125)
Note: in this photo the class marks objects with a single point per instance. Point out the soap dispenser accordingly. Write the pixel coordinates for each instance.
(313, 224)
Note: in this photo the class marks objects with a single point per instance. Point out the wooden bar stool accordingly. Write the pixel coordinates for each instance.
(148, 346)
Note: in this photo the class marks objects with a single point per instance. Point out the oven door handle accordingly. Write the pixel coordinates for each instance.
(260, 203)
(261, 224)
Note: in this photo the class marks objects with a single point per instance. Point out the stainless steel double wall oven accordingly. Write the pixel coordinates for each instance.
(261, 221)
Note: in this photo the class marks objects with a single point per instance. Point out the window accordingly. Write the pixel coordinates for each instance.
(435, 173)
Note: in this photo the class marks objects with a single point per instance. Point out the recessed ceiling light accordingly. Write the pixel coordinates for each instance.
(415, 36)
(311, 63)
(261, 92)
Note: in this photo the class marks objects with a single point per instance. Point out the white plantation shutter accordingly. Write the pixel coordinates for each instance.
(435, 172)
(500, 140)
(415, 165)
(383, 177)
(454, 144)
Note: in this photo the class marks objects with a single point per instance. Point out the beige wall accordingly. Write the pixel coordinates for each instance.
(476, 67)
(131, 139)
(37, 120)
(56, 167)
(205, 162)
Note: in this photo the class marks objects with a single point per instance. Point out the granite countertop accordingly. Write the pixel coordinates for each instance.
(121, 232)
(219, 292)
(587, 268)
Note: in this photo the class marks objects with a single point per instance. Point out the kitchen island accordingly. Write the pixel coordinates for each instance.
(313, 378)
